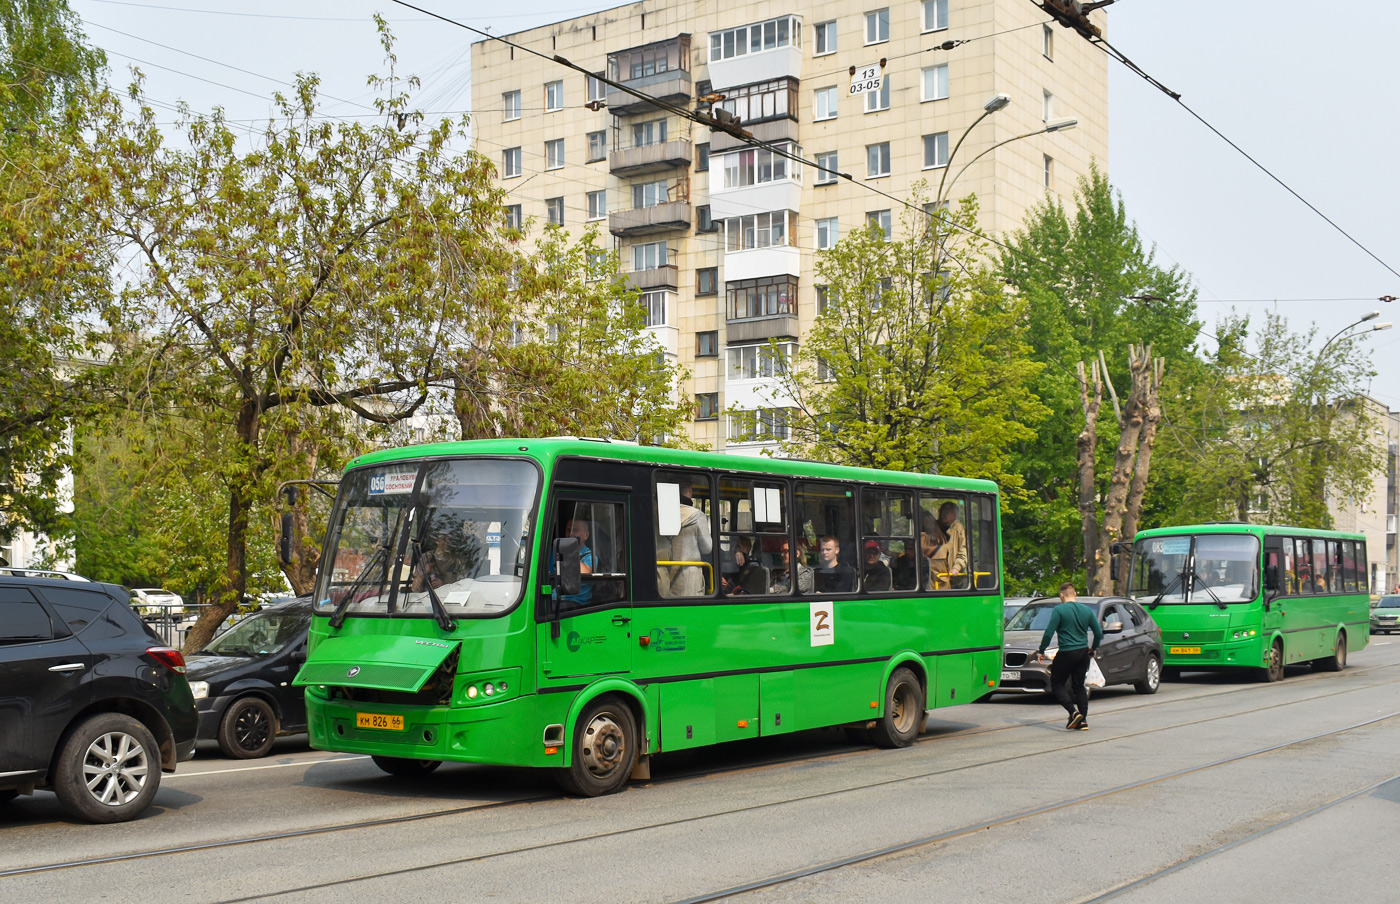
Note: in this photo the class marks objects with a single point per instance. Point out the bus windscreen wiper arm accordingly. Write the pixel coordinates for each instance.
(338, 616)
(444, 620)
(1165, 590)
(1206, 588)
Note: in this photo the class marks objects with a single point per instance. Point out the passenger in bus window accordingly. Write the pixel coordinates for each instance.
(692, 544)
(832, 575)
(949, 559)
(904, 568)
(782, 573)
(874, 573)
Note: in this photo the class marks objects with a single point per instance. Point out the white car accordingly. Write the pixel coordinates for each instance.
(155, 603)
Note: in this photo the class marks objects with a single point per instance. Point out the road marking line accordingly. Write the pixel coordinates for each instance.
(334, 759)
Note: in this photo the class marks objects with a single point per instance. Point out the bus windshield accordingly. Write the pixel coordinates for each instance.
(1205, 568)
(461, 525)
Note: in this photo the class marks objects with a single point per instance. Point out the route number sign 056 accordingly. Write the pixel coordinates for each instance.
(867, 78)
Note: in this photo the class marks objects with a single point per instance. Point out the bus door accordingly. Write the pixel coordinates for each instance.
(589, 632)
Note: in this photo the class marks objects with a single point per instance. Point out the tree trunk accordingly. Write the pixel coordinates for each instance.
(1152, 417)
(1087, 444)
(240, 505)
(306, 553)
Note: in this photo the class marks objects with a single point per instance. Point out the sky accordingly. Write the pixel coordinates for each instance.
(1307, 90)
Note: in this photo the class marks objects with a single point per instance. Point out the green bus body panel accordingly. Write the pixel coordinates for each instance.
(1307, 625)
(707, 666)
(388, 663)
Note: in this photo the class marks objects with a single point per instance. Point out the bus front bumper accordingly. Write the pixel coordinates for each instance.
(1249, 652)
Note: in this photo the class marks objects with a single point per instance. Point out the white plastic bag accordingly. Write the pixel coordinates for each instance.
(1093, 677)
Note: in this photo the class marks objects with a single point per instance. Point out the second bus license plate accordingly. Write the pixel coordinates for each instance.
(1010, 676)
(375, 720)
(1180, 651)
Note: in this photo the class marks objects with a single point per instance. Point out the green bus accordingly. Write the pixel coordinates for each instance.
(1234, 595)
(581, 604)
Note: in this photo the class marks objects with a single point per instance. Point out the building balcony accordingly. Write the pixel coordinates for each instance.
(663, 277)
(635, 221)
(1390, 524)
(650, 158)
(755, 329)
(660, 69)
(766, 65)
(783, 194)
(784, 129)
(759, 262)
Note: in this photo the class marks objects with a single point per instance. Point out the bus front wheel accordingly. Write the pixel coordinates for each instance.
(404, 767)
(1338, 660)
(904, 711)
(604, 750)
(1274, 670)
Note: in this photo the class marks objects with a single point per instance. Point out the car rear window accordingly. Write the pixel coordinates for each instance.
(79, 608)
(22, 619)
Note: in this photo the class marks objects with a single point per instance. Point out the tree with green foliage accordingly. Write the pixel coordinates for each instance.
(1090, 286)
(332, 277)
(1274, 428)
(51, 275)
(919, 361)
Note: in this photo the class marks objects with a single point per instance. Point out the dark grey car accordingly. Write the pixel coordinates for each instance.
(1131, 652)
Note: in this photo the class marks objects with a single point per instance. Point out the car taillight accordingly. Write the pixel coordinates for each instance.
(168, 657)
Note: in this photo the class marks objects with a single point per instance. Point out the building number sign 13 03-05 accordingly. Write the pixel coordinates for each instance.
(866, 78)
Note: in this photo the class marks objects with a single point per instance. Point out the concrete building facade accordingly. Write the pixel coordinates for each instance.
(721, 237)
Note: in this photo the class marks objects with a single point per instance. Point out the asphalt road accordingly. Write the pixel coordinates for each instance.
(1210, 790)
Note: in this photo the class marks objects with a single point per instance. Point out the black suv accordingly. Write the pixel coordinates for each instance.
(242, 681)
(93, 705)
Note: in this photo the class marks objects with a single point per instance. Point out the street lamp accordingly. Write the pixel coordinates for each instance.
(995, 103)
(1063, 125)
(1338, 335)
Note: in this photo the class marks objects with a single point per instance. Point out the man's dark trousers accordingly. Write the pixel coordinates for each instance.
(1067, 672)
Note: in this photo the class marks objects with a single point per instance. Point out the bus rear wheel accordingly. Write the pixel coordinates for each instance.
(604, 750)
(904, 711)
(1338, 660)
(1274, 670)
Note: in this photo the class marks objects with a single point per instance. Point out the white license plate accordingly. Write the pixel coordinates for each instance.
(1010, 676)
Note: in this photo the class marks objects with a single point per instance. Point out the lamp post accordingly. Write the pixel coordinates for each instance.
(1326, 412)
(1064, 125)
(997, 102)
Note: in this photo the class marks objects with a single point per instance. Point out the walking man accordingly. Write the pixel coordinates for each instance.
(1073, 621)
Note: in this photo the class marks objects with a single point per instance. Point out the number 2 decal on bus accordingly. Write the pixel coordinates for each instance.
(823, 624)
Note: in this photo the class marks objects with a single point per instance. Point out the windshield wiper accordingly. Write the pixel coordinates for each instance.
(444, 620)
(1206, 588)
(1165, 590)
(338, 616)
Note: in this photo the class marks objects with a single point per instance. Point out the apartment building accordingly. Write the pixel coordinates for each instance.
(1376, 511)
(721, 237)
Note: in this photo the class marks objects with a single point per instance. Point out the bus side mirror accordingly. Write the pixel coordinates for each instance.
(1113, 568)
(568, 576)
(284, 539)
(1114, 551)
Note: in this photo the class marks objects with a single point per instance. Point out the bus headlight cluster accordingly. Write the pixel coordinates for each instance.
(494, 687)
(1248, 633)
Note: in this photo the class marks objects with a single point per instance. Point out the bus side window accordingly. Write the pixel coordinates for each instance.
(888, 553)
(684, 538)
(1349, 566)
(826, 535)
(601, 527)
(943, 539)
(983, 529)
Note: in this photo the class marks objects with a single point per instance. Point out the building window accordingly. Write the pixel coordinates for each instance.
(828, 233)
(553, 96)
(759, 362)
(707, 344)
(823, 299)
(935, 15)
(595, 89)
(554, 210)
(882, 219)
(1047, 110)
(707, 281)
(829, 168)
(510, 163)
(703, 223)
(597, 146)
(762, 101)
(758, 165)
(875, 101)
(655, 304)
(765, 297)
(1049, 171)
(513, 216)
(877, 26)
(554, 154)
(647, 133)
(746, 39)
(649, 194)
(702, 157)
(825, 33)
(760, 230)
(935, 150)
(707, 406)
(511, 103)
(877, 160)
(1047, 42)
(649, 256)
(936, 82)
(825, 105)
(597, 205)
(762, 425)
